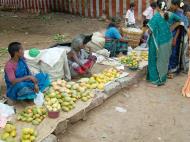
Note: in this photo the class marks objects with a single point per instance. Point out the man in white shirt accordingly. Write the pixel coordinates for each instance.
(130, 16)
(149, 12)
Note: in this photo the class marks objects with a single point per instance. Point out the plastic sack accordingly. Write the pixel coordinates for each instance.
(6, 110)
(39, 100)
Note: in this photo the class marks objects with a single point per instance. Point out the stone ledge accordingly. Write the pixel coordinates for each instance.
(100, 97)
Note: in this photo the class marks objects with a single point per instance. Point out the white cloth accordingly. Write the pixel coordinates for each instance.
(52, 61)
(130, 16)
(52, 56)
(149, 13)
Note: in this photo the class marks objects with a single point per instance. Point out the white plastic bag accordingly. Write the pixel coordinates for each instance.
(6, 110)
(39, 100)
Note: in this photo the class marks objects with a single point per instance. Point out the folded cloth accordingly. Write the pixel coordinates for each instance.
(52, 56)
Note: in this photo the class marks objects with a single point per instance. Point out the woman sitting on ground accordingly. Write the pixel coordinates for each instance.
(80, 62)
(115, 43)
(20, 83)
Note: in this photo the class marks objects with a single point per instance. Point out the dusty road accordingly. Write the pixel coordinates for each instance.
(153, 115)
(39, 31)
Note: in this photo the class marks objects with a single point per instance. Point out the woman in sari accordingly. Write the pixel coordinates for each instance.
(179, 33)
(115, 43)
(20, 83)
(159, 43)
(186, 88)
(80, 62)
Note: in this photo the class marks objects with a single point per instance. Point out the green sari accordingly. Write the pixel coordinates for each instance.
(159, 43)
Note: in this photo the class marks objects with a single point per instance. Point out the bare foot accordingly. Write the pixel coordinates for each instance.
(170, 76)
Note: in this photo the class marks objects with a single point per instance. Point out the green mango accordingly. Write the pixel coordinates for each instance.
(65, 103)
(68, 99)
(34, 122)
(66, 109)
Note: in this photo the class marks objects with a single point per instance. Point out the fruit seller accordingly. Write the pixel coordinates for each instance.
(80, 62)
(20, 83)
(115, 43)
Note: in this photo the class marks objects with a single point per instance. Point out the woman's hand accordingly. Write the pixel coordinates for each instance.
(174, 42)
(36, 88)
(33, 79)
(174, 26)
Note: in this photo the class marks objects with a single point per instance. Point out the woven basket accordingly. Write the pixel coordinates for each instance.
(133, 35)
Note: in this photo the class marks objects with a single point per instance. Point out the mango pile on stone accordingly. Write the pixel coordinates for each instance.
(64, 102)
(28, 135)
(98, 81)
(67, 94)
(9, 133)
(34, 115)
(52, 103)
(132, 60)
(144, 55)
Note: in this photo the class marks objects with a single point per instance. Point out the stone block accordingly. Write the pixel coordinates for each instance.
(111, 89)
(81, 115)
(98, 100)
(61, 127)
(50, 138)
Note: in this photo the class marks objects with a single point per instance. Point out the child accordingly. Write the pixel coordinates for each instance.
(149, 12)
(145, 33)
(130, 16)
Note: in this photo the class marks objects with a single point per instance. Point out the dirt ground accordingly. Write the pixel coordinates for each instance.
(152, 115)
(39, 30)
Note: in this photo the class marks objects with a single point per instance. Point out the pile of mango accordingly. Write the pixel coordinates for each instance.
(144, 55)
(52, 104)
(132, 60)
(98, 81)
(63, 102)
(28, 135)
(34, 115)
(9, 133)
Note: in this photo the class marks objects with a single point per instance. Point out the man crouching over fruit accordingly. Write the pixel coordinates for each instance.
(80, 62)
(20, 83)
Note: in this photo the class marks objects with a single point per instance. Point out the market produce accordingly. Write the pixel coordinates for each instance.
(52, 103)
(34, 115)
(9, 133)
(56, 101)
(28, 135)
(98, 81)
(144, 55)
(132, 60)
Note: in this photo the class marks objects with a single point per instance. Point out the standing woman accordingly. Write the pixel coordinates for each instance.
(186, 88)
(175, 64)
(159, 43)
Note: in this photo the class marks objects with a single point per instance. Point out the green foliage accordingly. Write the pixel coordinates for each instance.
(59, 38)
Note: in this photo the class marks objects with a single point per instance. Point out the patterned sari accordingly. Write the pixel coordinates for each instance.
(159, 44)
(25, 89)
(178, 59)
(115, 46)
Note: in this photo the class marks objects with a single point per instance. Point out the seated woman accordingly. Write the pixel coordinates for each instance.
(115, 43)
(80, 62)
(145, 34)
(20, 83)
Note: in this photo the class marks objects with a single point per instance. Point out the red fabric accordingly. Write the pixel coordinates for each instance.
(85, 67)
